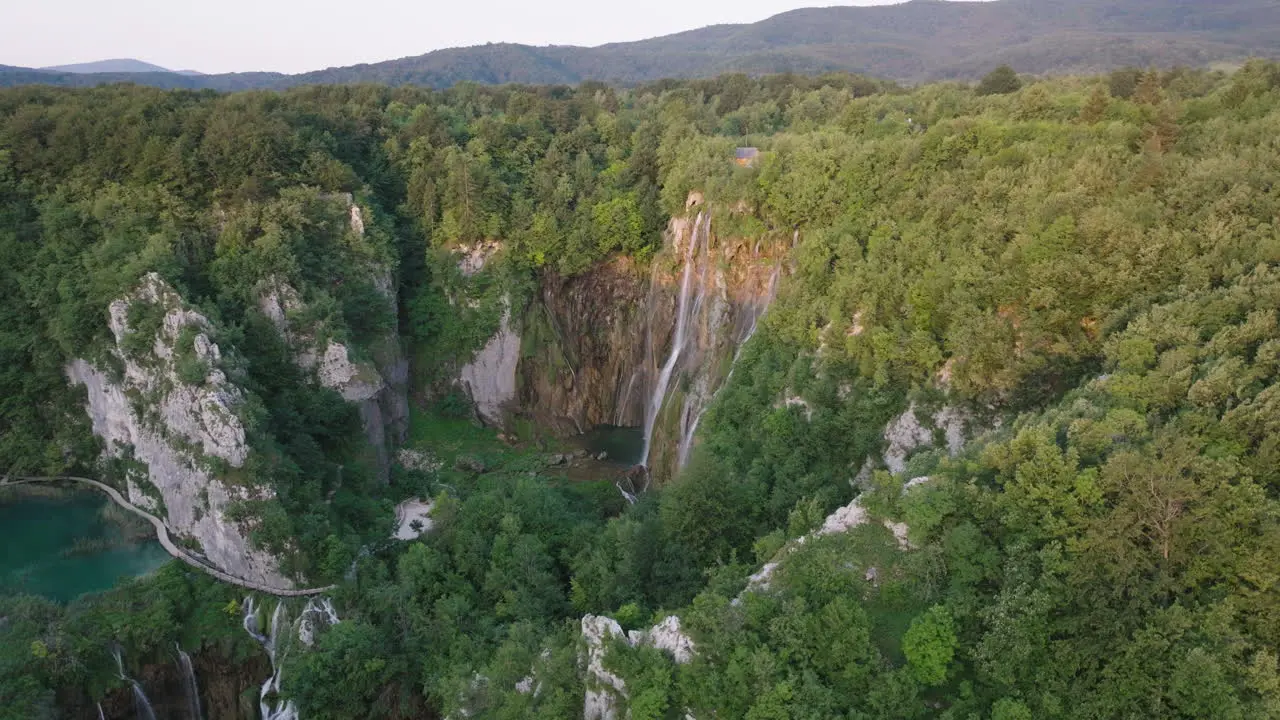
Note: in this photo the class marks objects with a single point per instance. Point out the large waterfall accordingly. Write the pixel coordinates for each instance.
(684, 308)
(725, 287)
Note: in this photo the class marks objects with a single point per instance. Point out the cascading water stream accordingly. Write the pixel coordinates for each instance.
(189, 684)
(140, 701)
(276, 643)
(683, 314)
(690, 429)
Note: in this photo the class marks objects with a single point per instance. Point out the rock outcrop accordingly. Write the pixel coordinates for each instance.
(490, 378)
(905, 434)
(377, 386)
(173, 409)
(606, 691)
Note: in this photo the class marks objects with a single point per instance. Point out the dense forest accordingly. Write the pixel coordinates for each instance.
(1087, 268)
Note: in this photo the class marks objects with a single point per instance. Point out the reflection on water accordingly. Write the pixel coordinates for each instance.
(62, 546)
(624, 445)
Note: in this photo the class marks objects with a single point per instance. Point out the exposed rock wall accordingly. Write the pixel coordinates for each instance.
(185, 432)
(588, 360)
(490, 378)
(378, 387)
(905, 434)
(595, 344)
(605, 691)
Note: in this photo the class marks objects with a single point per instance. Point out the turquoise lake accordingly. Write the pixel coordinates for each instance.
(61, 546)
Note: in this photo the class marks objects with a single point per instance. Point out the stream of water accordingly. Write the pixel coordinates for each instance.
(684, 310)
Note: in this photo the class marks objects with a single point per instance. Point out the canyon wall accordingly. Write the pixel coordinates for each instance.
(163, 405)
(376, 383)
(639, 347)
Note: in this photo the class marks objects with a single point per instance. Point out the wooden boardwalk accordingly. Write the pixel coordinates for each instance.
(162, 532)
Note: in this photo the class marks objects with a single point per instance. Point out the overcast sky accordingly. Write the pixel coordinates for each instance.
(299, 35)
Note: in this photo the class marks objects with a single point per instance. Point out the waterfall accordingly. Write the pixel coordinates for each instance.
(101, 715)
(316, 609)
(276, 641)
(140, 701)
(725, 289)
(189, 684)
(689, 428)
(677, 342)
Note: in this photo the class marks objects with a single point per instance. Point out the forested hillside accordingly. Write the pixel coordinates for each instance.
(912, 41)
(1063, 295)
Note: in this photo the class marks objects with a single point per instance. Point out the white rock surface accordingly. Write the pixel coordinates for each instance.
(180, 418)
(490, 378)
(473, 257)
(605, 691)
(357, 219)
(355, 382)
(844, 519)
(278, 299)
(667, 636)
(905, 434)
(410, 511)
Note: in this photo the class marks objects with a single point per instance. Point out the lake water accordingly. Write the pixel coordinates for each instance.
(623, 444)
(62, 547)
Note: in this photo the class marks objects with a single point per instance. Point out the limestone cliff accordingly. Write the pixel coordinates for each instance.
(629, 346)
(377, 386)
(489, 377)
(169, 405)
(587, 343)
(605, 691)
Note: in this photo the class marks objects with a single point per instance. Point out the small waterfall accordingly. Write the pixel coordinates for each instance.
(276, 642)
(189, 684)
(140, 701)
(683, 315)
(316, 610)
(101, 715)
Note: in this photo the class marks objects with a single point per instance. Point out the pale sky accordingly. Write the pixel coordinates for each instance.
(294, 36)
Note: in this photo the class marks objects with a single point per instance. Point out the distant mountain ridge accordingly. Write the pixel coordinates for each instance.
(913, 41)
(116, 65)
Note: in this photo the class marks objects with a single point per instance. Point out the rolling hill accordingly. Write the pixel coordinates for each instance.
(913, 41)
(118, 65)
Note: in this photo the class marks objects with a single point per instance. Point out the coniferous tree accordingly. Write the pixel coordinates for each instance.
(1096, 107)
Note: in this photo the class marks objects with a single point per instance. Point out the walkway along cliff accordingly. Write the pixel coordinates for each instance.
(162, 533)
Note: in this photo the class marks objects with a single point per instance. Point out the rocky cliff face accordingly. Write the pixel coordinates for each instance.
(605, 691)
(619, 345)
(378, 386)
(166, 403)
(589, 347)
